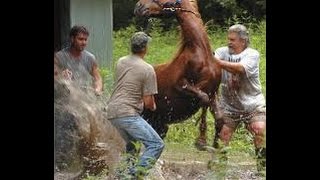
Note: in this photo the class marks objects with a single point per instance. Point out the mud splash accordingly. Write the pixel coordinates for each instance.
(85, 142)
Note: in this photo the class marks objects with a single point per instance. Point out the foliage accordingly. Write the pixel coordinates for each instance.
(122, 13)
(107, 76)
(222, 12)
(121, 40)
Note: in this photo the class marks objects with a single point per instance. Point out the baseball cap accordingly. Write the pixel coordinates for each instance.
(139, 40)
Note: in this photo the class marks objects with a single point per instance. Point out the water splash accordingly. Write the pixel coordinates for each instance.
(85, 141)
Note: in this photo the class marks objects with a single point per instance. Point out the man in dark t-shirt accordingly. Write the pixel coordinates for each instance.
(77, 64)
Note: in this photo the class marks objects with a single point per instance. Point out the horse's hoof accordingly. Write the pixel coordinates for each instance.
(201, 145)
(204, 98)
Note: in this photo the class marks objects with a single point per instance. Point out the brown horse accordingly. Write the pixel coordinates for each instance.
(189, 81)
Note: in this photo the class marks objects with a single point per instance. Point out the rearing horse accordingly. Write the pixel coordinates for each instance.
(189, 81)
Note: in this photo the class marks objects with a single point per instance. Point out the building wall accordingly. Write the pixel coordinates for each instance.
(96, 15)
(61, 23)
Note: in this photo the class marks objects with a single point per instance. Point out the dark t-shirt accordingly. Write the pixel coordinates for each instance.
(80, 67)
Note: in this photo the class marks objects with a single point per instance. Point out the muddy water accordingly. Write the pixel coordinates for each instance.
(183, 162)
(85, 141)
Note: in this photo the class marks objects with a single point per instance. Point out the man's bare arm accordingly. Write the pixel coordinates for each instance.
(231, 67)
(97, 79)
(149, 102)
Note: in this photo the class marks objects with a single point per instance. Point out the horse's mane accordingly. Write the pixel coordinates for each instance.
(183, 39)
(194, 3)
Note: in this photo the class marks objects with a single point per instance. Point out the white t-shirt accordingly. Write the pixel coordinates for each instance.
(241, 93)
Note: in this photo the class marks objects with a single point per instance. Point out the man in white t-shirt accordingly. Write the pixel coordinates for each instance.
(241, 98)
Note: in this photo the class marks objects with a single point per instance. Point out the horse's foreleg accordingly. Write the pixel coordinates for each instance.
(192, 90)
(201, 141)
(218, 120)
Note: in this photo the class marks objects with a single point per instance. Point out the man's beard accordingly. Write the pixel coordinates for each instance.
(81, 48)
(78, 47)
(231, 51)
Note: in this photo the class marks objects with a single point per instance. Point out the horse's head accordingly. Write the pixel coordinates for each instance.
(156, 7)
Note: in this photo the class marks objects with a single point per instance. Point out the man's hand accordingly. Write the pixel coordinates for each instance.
(149, 102)
(67, 74)
(97, 92)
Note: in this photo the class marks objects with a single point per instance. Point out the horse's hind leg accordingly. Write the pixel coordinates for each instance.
(201, 141)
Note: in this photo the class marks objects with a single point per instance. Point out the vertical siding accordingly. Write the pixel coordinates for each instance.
(61, 23)
(97, 16)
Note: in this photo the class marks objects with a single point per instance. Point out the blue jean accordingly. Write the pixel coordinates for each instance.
(135, 128)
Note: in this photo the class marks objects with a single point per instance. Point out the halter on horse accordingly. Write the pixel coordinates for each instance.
(191, 79)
